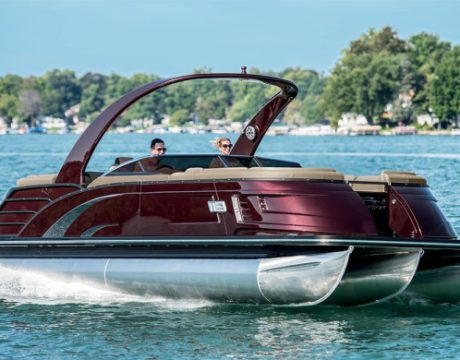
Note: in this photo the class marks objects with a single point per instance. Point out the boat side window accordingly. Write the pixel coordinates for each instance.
(166, 164)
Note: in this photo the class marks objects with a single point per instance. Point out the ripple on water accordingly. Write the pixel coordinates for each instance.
(48, 318)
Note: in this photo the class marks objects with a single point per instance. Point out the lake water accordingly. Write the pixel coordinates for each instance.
(42, 319)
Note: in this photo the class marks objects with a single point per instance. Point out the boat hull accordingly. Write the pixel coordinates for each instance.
(297, 280)
(289, 270)
(438, 277)
(375, 275)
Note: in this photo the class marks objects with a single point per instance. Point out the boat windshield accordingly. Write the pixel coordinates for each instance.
(200, 106)
(174, 163)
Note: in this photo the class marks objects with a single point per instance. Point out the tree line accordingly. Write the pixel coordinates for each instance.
(387, 79)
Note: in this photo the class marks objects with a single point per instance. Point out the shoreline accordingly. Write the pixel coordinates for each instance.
(273, 131)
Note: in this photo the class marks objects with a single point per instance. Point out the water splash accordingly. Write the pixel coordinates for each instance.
(20, 286)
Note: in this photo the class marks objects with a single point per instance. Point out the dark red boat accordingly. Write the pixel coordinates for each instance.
(236, 228)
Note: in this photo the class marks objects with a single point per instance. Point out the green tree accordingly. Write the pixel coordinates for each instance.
(59, 91)
(426, 52)
(93, 87)
(292, 114)
(445, 89)
(11, 84)
(30, 106)
(312, 109)
(180, 117)
(309, 82)
(10, 87)
(368, 75)
(9, 107)
(212, 99)
(150, 106)
(311, 86)
(248, 98)
(116, 86)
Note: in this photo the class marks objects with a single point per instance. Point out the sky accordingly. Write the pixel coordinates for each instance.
(175, 37)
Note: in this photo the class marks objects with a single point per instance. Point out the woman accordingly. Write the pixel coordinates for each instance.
(224, 145)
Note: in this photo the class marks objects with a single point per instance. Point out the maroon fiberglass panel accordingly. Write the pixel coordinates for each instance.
(401, 219)
(23, 205)
(179, 209)
(46, 218)
(15, 216)
(299, 206)
(10, 229)
(426, 211)
(49, 192)
(108, 216)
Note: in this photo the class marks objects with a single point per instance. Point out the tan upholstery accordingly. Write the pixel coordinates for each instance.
(374, 183)
(368, 187)
(224, 173)
(295, 173)
(32, 180)
(127, 179)
(403, 177)
(390, 177)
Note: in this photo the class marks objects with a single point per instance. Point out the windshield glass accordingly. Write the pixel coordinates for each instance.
(208, 107)
(168, 164)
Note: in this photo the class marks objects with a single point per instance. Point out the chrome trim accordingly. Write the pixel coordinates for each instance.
(245, 241)
(59, 228)
(92, 230)
(237, 209)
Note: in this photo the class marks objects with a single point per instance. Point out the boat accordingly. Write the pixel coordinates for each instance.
(238, 228)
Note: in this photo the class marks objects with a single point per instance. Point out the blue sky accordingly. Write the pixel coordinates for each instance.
(174, 37)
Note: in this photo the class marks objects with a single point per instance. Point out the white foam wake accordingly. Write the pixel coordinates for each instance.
(30, 287)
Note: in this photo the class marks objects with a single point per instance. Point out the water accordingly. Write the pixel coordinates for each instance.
(48, 318)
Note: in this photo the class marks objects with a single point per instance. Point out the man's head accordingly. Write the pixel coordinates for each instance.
(157, 147)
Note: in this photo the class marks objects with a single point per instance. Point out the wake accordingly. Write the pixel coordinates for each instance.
(20, 286)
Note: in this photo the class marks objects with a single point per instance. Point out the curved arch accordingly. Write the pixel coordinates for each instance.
(72, 171)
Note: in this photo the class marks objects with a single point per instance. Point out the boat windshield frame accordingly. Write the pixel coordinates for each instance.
(73, 169)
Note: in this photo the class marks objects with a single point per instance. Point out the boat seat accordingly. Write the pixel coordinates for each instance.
(32, 180)
(223, 173)
(296, 173)
(367, 183)
(257, 173)
(403, 178)
(208, 174)
(128, 179)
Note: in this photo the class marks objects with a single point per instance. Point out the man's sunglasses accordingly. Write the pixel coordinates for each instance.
(227, 146)
(161, 149)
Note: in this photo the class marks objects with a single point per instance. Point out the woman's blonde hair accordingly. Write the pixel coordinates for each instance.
(218, 141)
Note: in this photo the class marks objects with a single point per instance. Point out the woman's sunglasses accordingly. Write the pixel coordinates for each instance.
(225, 146)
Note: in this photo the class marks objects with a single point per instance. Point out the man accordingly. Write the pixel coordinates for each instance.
(157, 147)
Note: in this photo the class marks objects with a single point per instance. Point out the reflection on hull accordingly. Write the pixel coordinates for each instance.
(300, 280)
(441, 284)
(376, 276)
(285, 271)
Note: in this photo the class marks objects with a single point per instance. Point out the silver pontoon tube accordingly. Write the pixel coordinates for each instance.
(300, 280)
